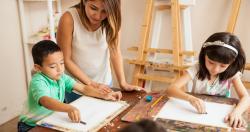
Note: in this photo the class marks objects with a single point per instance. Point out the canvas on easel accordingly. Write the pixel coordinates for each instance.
(144, 50)
(95, 112)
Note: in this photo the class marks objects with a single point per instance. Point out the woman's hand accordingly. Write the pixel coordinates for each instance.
(102, 87)
(198, 104)
(235, 120)
(128, 87)
(114, 96)
(99, 92)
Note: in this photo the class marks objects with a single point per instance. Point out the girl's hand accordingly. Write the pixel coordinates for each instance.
(198, 104)
(235, 120)
(102, 87)
(128, 87)
(73, 113)
(114, 96)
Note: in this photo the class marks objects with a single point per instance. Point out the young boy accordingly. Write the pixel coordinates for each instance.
(47, 88)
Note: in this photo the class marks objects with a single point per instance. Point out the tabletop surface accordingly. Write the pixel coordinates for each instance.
(133, 98)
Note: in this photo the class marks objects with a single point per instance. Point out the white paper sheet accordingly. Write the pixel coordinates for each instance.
(93, 111)
(176, 109)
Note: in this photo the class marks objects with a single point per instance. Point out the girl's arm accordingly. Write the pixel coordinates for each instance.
(176, 90)
(240, 89)
(64, 39)
(234, 118)
(117, 63)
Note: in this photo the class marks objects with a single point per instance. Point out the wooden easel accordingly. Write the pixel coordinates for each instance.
(231, 27)
(141, 62)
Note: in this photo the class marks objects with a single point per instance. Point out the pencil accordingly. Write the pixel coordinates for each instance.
(156, 101)
(82, 122)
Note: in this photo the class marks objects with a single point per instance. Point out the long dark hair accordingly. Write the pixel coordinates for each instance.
(222, 55)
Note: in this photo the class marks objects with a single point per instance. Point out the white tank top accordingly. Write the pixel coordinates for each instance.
(90, 51)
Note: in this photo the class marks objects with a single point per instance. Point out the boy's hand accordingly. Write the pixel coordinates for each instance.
(198, 104)
(114, 96)
(73, 113)
(235, 120)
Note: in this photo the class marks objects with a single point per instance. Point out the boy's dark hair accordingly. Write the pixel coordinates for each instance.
(43, 49)
(223, 55)
(143, 126)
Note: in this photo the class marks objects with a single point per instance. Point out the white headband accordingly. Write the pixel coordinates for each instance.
(220, 43)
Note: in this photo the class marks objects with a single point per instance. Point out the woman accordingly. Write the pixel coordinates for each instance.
(88, 34)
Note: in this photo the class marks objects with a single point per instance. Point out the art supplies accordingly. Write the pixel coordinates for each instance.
(144, 109)
(84, 123)
(95, 113)
(156, 101)
(148, 98)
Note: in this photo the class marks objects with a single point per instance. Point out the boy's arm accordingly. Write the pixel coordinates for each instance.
(55, 105)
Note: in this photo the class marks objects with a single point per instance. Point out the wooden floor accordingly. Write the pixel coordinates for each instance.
(10, 126)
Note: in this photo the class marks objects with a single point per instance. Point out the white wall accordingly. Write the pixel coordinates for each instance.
(12, 79)
(68, 3)
(207, 16)
(132, 18)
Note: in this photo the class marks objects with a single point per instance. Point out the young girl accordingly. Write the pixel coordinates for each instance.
(221, 62)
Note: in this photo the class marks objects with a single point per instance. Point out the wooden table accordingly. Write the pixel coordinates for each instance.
(133, 98)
